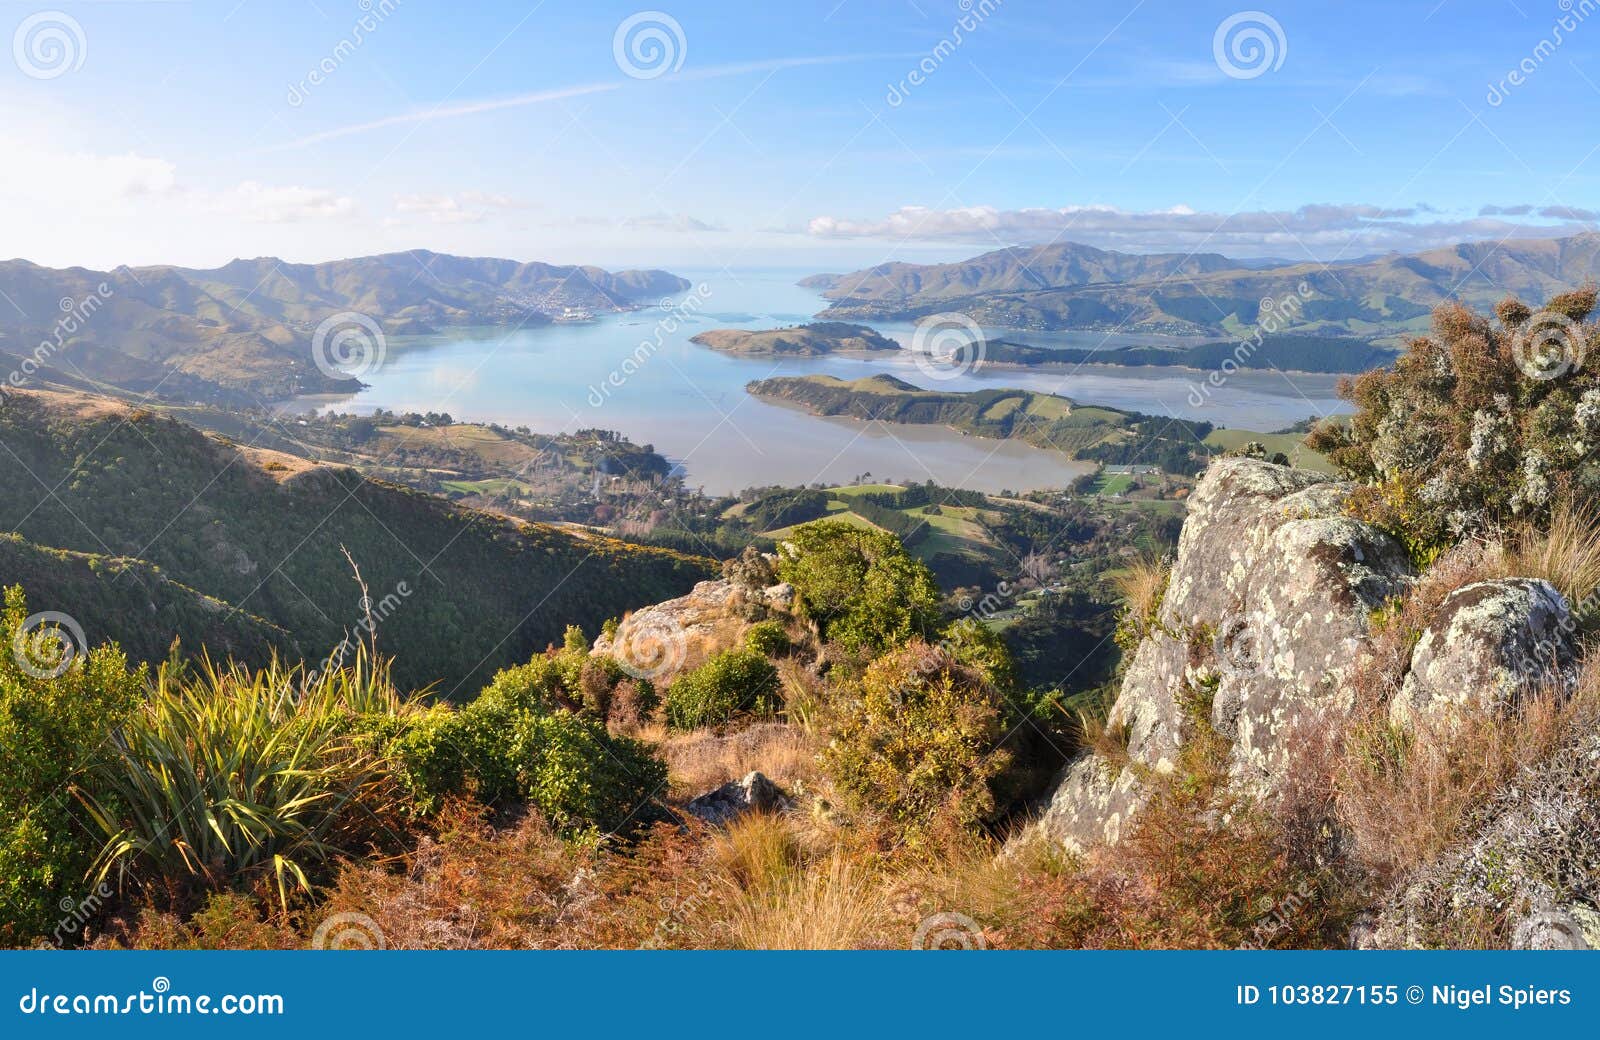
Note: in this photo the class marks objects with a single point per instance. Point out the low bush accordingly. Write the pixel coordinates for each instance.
(1477, 426)
(739, 681)
(861, 587)
(768, 639)
(54, 730)
(511, 745)
(916, 738)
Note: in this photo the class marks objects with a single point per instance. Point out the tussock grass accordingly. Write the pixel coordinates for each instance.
(1565, 552)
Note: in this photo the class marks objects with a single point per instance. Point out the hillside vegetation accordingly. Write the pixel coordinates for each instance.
(1043, 420)
(266, 534)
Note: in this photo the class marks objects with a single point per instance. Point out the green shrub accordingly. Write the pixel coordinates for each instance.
(767, 638)
(732, 682)
(1476, 425)
(53, 731)
(861, 587)
(512, 745)
(918, 741)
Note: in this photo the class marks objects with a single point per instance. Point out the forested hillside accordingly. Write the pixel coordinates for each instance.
(265, 534)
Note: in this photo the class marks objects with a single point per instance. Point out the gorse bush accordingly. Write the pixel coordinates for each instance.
(735, 681)
(918, 740)
(1477, 425)
(861, 587)
(53, 732)
(224, 773)
(513, 744)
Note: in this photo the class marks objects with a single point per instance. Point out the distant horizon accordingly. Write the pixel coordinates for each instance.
(950, 253)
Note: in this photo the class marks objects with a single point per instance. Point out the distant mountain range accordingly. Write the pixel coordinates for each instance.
(243, 332)
(1071, 286)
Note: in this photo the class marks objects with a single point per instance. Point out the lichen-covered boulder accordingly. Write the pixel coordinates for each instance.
(659, 641)
(1489, 642)
(1266, 611)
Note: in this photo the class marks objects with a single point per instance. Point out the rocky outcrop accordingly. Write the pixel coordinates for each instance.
(754, 793)
(659, 641)
(1266, 611)
(1489, 642)
(1266, 617)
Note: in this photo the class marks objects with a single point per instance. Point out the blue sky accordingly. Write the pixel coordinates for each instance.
(789, 134)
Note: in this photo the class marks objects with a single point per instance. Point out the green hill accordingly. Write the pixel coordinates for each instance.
(265, 534)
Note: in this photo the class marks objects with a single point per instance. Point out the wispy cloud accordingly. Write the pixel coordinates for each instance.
(459, 109)
(1322, 229)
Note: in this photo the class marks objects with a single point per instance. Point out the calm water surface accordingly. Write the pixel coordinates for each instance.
(637, 374)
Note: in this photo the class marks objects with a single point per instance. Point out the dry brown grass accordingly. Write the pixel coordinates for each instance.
(836, 903)
(1404, 798)
(1141, 585)
(1566, 552)
(703, 759)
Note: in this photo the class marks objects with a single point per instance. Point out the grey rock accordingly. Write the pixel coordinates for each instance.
(780, 596)
(1268, 607)
(754, 793)
(1490, 642)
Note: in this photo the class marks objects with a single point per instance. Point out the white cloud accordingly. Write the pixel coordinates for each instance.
(268, 204)
(472, 207)
(1321, 229)
(77, 178)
